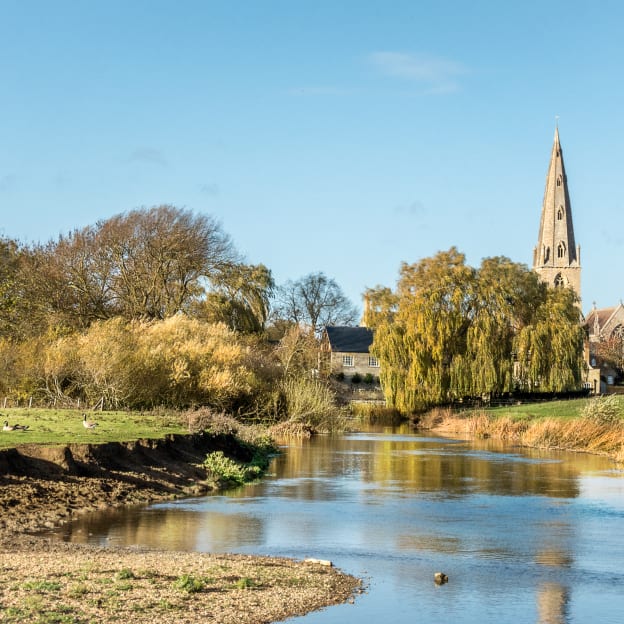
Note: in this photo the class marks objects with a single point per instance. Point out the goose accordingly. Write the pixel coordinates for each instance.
(87, 424)
(16, 427)
(440, 578)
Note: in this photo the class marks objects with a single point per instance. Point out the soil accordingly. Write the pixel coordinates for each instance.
(42, 579)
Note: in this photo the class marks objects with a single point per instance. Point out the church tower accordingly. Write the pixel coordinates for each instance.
(557, 257)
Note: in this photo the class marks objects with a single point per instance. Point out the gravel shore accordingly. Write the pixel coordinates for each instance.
(45, 580)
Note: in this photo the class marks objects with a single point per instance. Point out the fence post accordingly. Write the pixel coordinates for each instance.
(30, 403)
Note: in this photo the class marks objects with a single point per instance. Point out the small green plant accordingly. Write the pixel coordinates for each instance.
(125, 573)
(77, 591)
(221, 467)
(369, 379)
(245, 583)
(189, 584)
(42, 587)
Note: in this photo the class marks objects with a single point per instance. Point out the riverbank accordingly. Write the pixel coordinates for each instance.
(49, 581)
(578, 433)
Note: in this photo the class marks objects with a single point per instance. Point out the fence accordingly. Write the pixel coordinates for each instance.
(64, 403)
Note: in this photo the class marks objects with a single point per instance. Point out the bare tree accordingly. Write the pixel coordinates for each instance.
(314, 301)
(150, 263)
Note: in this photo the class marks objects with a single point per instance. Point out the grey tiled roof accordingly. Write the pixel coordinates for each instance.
(349, 339)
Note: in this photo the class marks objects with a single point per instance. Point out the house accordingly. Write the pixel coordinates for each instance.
(346, 350)
(605, 330)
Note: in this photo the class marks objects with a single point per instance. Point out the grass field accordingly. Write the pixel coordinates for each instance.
(548, 409)
(63, 426)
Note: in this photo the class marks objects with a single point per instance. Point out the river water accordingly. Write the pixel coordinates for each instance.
(523, 535)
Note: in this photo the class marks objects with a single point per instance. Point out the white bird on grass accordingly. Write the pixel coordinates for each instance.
(88, 424)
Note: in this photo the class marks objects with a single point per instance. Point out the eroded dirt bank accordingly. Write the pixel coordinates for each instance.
(42, 486)
(45, 580)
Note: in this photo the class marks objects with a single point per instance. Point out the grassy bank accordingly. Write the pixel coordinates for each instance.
(587, 425)
(64, 426)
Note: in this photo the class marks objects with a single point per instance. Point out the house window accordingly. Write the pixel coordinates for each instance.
(373, 361)
(347, 360)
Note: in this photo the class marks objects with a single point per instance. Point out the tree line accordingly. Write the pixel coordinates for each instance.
(155, 307)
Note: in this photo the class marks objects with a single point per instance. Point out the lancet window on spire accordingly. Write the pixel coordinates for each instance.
(559, 282)
(559, 180)
(560, 213)
(561, 250)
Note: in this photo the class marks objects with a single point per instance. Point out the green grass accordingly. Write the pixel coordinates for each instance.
(64, 426)
(550, 409)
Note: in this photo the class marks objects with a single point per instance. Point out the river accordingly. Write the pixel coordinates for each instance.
(523, 535)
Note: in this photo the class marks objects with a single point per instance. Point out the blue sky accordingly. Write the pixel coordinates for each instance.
(343, 137)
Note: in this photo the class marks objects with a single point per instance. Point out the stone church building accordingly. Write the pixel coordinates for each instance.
(557, 259)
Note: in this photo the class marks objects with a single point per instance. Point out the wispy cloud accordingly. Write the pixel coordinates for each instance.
(148, 155)
(437, 75)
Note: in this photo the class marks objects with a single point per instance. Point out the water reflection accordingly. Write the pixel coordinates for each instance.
(525, 536)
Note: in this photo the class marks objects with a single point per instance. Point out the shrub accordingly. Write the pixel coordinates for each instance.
(604, 410)
(356, 379)
(311, 402)
(223, 468)
(369, 379)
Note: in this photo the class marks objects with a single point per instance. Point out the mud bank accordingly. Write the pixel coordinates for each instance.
(43, 486)
(46, 580)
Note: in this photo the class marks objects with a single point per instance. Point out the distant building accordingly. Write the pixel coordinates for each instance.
(346, 350)
(557, 257)
(606, 326)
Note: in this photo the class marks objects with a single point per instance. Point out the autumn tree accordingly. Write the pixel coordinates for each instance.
(314, 301)
(149, 263)
(9, 275)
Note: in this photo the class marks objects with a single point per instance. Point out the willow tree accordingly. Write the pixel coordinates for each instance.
(550, 349)
(457, 332)
(505, 297)
(417, 347)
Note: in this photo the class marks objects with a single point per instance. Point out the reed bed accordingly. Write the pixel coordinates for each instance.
(599, 429)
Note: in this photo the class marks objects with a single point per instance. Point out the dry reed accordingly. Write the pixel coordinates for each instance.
(588, 434)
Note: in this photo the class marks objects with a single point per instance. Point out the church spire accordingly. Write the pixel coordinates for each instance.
(557, 258)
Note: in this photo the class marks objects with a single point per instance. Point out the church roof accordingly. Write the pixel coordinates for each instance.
(604, 317)
(349, 339)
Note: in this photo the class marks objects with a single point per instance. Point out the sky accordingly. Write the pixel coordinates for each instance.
(342, 137)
